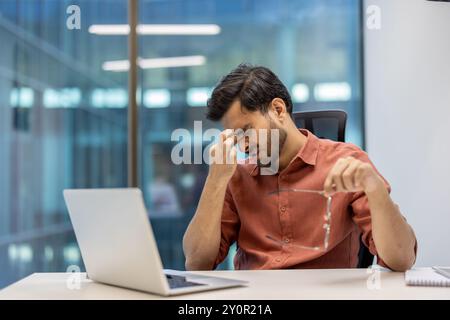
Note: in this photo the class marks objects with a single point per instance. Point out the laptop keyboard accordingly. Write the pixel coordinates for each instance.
(180, 282)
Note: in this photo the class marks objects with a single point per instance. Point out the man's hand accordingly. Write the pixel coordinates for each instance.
(201, 242)
(393, 237)
(352, 175)
(223, 156)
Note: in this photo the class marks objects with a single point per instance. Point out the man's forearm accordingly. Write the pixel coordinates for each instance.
(392, 235)
(201, 241)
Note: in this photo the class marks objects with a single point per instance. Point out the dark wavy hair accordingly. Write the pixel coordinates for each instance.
(254, 86)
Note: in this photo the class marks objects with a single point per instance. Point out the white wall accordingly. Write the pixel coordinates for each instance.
(407, 65)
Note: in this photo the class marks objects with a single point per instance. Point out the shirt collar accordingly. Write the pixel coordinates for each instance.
(308, 153)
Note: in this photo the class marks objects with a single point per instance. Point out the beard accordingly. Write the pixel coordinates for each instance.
(282, 136)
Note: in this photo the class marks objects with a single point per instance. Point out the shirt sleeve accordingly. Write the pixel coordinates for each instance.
(361, 213)
(230, 225)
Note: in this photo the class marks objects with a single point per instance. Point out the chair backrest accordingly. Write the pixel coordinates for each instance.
(330, 124)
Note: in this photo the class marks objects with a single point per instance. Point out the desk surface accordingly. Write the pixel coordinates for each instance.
(268, 284)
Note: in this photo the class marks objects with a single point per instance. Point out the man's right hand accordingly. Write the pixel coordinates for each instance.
(223, 156)
(201, 242)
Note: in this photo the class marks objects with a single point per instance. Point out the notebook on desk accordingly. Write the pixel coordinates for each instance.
(426, 277)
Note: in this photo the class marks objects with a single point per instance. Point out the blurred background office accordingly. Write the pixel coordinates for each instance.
(63, 103)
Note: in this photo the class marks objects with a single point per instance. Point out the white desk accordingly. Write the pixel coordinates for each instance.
(278, 284)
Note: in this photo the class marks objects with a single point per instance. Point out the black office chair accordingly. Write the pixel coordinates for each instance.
(330, 124)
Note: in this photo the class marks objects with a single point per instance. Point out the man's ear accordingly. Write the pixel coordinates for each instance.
(278, 107)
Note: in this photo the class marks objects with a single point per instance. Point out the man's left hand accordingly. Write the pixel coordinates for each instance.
(352, 175)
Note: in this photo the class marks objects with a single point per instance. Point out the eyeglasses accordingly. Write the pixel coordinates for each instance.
(326, 225)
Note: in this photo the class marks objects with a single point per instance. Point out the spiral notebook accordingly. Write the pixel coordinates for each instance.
(426, 277)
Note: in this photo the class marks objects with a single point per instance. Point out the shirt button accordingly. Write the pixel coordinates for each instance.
(283, 209)
(278, 260)
(286, 240)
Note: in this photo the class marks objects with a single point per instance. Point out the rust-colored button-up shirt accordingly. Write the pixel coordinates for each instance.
(250, 213)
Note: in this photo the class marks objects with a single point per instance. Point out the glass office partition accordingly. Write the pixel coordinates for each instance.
(62, 125)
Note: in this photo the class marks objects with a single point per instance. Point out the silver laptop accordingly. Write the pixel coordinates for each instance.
(118, 247)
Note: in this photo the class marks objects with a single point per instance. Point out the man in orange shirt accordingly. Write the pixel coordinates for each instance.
(236, 205)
